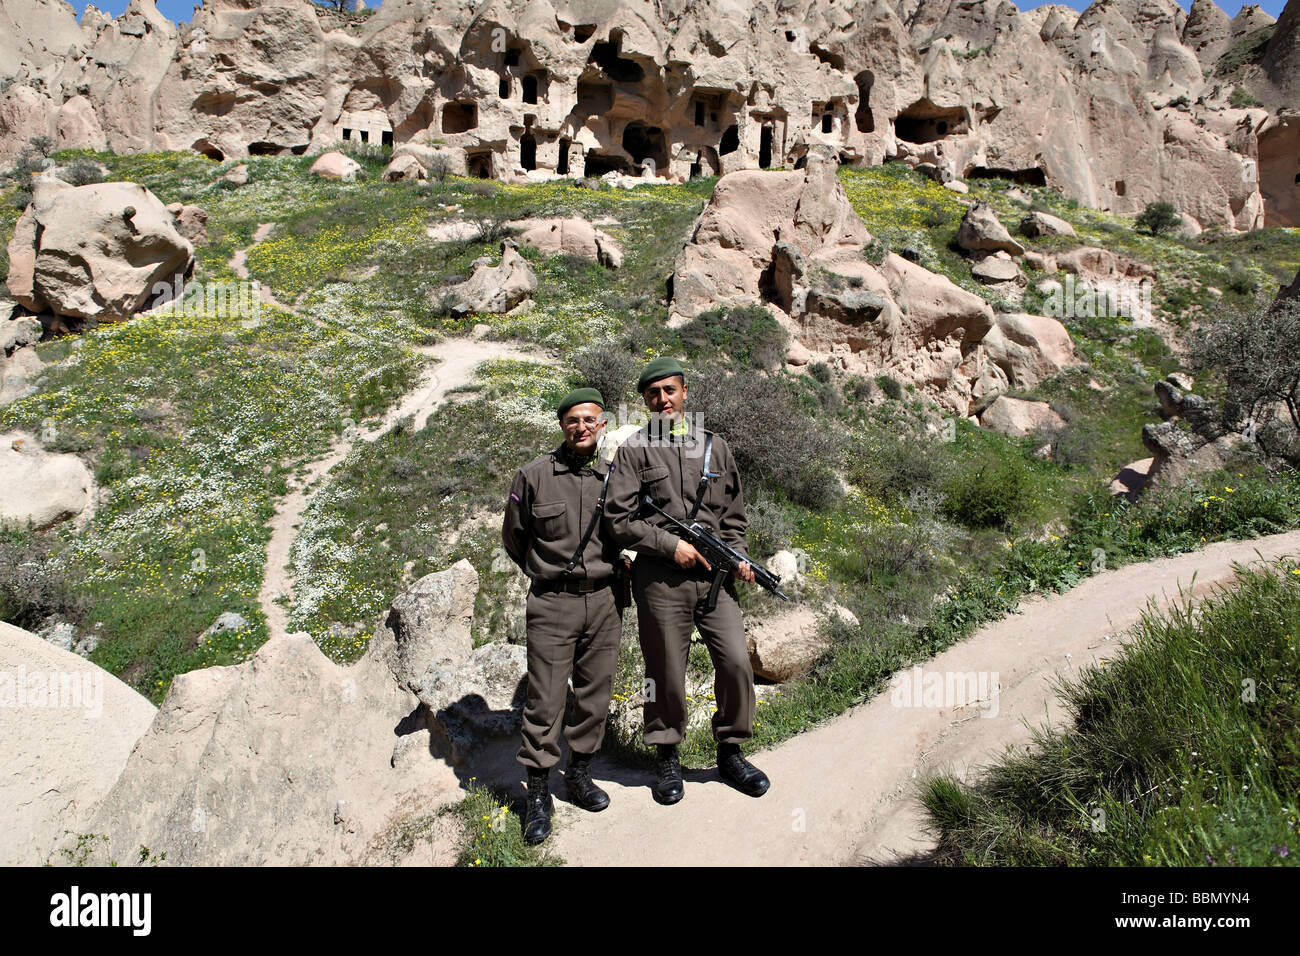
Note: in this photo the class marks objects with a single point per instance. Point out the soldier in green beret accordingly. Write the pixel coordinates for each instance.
(552, 530)
(690, 473)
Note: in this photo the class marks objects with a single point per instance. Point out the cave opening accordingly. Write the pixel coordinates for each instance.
(765, 147)
(862, 117)
(459, 117)
(642, 141)
(923, 122)
(530, 88)
(562, 165)
(730, 141)
(604, 54)
(528, 151)
(600, 163)
(1032, 176)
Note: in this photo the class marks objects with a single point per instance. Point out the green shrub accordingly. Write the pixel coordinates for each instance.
(890, 386)
(777, 441)
(747, 334)
(1158, 217)
(987, 493)
(34, 583)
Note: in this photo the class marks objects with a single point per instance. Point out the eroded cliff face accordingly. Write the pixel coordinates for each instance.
(1116, 107)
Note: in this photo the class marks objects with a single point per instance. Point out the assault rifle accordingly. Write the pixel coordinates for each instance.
(723, 558)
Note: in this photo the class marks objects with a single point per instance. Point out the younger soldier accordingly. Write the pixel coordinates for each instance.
(690, 473)
(552, 530)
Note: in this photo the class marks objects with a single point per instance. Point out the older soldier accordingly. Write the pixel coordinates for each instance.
(552, 531)
(691, 474)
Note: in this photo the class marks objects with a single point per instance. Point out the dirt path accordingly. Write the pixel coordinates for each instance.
(459, 358)
(845, 792)
(456, 361)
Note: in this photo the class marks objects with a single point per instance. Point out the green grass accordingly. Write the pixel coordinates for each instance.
(496, 832)
(1184, 750)
(193, 423)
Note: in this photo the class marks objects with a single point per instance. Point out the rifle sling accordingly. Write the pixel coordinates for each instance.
(591, 525)
(704, 477)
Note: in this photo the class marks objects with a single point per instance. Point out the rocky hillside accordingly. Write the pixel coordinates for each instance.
(1130, 102)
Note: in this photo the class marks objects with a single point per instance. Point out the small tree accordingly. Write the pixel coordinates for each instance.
(1258, 353)
(1158, 217)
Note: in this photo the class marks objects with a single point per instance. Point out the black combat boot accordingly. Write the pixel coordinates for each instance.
(578, 784)
(537, 820)
(744, 775)
(668, 789)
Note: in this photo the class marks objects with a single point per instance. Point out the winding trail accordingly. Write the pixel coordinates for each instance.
(456, 361)
(845, 792)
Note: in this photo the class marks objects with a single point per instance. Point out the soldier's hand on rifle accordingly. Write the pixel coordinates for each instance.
(745, 572)
(687, 557)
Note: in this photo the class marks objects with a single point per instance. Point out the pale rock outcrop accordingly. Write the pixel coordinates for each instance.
(237, 175)
(572, 236)
(292, 759)
(404, 167)
(40, 487)
(1028, 348)
(1045, 97)
(18, 374)
(1132, 478)
(785, 645)
(191, 222)
(498, 288)
(998, 267)
(469, 695)
(94, 251)
(335, 166)
(981, 231)
(1038, 224)
(67, 728)
(1017, 417)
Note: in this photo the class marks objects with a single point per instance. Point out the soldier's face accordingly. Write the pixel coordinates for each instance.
(582, 426)
(666, 397)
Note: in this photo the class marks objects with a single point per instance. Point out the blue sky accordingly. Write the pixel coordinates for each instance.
(180, 11)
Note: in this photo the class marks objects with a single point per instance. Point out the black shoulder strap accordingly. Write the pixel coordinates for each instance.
(591, 525)
(704, 477)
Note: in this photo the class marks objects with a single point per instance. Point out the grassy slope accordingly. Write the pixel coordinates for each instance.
(1184, 750)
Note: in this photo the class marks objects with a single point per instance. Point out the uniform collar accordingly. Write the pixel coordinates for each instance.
(684, 430)
(562, 462)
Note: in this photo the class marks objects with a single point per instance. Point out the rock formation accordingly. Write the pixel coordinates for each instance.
(1117, 107)
(66, 730)
(94, 252)
(495, 288)
(40, 487)
(792, 239)
(292, 759)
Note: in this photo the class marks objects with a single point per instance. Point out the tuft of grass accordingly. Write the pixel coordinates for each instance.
(1183, 751)
(496, 832)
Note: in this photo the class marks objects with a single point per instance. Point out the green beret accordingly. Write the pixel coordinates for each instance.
(659, 368)
(580, 396)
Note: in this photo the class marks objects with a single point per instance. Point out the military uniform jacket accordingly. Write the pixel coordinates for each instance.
(549, 507)
(668, 469)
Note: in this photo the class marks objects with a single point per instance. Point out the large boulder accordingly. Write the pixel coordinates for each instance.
(573, 236)
(1017, 417)
(469, 695)
(498, 288)
(1038, 224)
(94, 252)
(18, 375)
(67, 728)
(1028, 348)
(39, 487)
(981, 231)
(335, 166)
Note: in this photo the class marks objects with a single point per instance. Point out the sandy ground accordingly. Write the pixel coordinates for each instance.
(845, 793)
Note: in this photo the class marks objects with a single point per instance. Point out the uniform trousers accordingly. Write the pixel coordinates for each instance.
(568, 635)
(669, 602)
